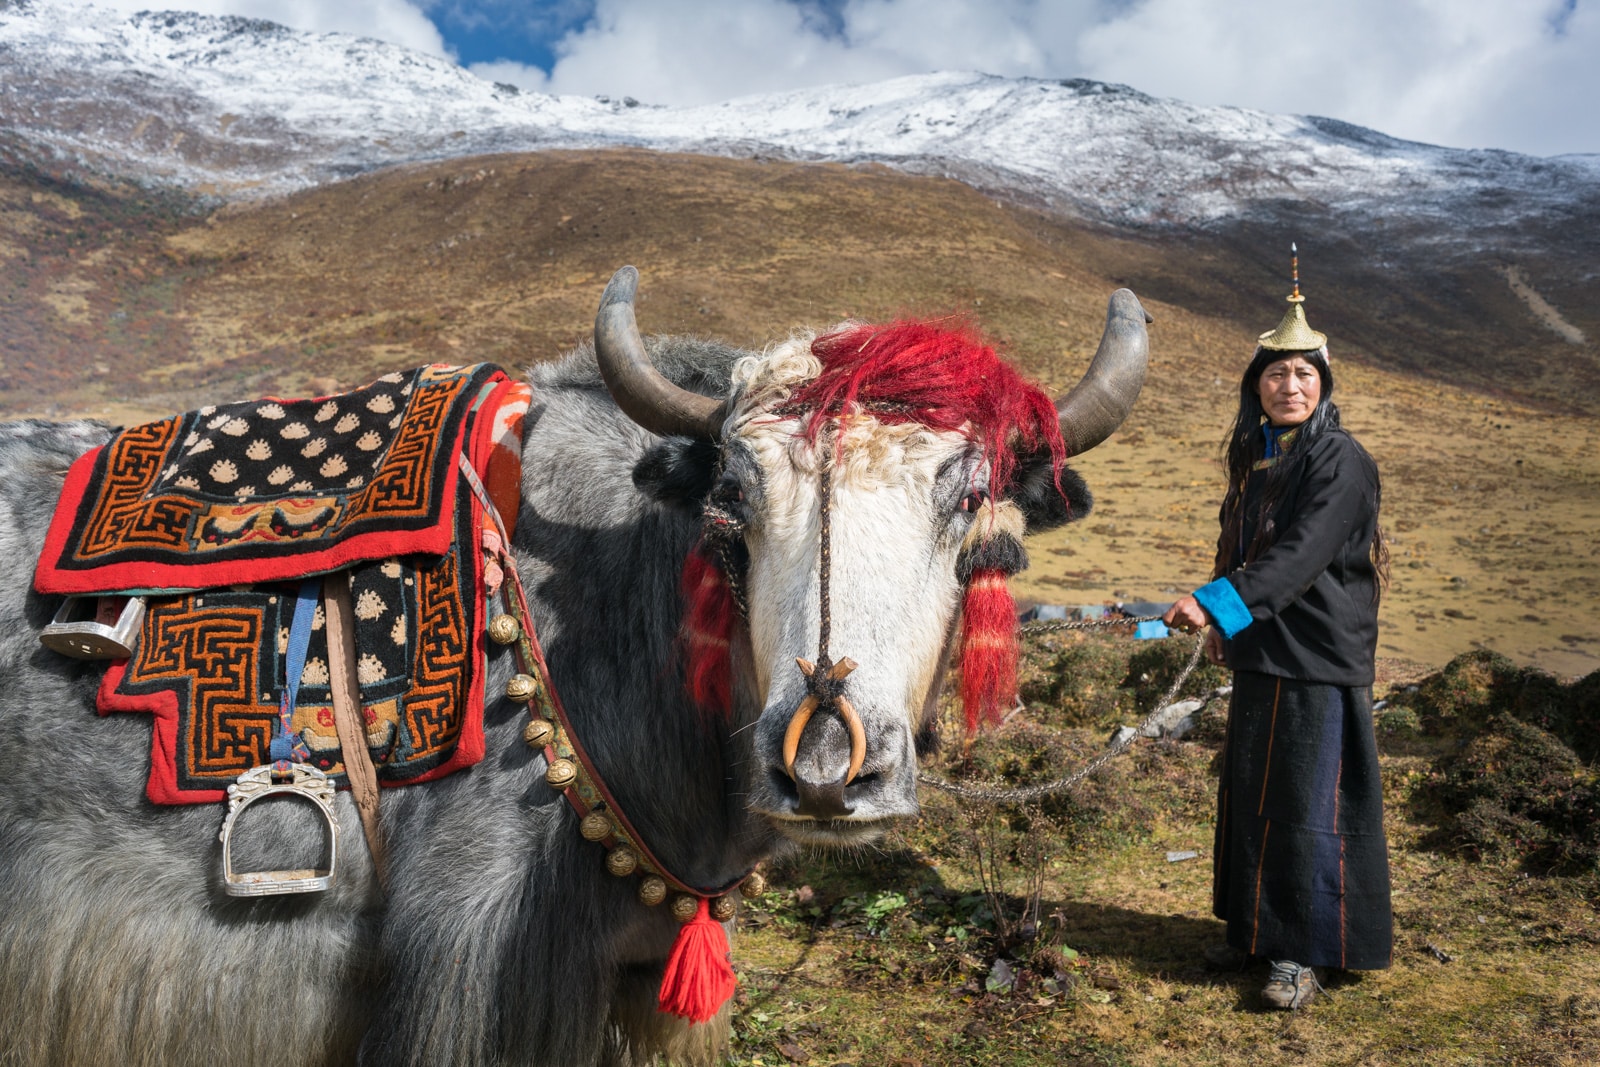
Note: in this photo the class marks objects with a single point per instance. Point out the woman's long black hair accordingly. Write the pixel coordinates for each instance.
(1246, 444)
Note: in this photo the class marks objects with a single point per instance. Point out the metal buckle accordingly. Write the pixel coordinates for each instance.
(304, 781)
(82, 628)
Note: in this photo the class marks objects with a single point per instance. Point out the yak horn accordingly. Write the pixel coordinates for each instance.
(1096, 406)
(641, 391)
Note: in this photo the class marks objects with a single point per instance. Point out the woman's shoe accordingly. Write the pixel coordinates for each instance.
(1289, 986)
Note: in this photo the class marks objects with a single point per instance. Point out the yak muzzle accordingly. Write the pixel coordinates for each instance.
(824, 799)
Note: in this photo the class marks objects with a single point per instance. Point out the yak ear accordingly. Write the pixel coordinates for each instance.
(1033, 489)
(678, 471)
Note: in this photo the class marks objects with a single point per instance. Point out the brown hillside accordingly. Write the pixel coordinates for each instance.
(131, 306)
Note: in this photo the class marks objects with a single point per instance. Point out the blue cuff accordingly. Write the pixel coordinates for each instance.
(1221, 602)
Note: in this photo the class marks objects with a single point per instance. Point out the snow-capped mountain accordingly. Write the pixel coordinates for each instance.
(232, 106)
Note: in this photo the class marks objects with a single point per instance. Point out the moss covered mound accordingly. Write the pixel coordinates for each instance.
(1520, 781)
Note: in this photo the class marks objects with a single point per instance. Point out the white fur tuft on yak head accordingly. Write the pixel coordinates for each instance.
(747, 571)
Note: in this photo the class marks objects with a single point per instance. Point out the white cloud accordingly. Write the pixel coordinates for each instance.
(1472, 73)
(677, 52)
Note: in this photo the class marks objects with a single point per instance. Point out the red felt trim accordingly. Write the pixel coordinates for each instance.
(45, 576)
(162, 785)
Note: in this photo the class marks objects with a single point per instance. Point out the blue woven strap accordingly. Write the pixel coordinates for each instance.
(286, 747)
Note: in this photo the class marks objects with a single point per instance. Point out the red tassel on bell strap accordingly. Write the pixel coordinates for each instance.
(988, 648)
(699, 978)
(707, 629)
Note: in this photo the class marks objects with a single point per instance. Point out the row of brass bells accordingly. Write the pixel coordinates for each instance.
(561, 773)
(538, 733)
(596, 826)
(685, 905)
(504, 629)
(522, 688)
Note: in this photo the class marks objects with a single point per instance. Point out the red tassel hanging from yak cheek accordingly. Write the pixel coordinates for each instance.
(989, 632)
(707, 630)
(988, 648)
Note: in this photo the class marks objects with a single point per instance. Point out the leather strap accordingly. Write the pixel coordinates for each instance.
(347, 712)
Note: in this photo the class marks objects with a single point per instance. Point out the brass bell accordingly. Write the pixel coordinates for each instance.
(504, 629)
(724, 908)
(595, 826)
(652, 891)
(621, 862)
(684, 907)
(538, 733)
(561, 773)
(522, 687)
(753, 886)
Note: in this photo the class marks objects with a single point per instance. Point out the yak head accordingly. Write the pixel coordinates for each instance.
(865, 493)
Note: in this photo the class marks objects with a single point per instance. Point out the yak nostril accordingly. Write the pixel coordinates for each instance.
(821, 800)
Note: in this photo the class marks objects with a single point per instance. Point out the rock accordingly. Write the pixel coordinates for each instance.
(1174, 720)
(1121, 736)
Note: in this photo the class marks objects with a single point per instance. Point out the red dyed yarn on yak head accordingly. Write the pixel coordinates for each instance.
(948, 378)
(707, 631)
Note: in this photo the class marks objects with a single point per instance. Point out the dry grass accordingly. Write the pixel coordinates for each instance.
(1493, 964)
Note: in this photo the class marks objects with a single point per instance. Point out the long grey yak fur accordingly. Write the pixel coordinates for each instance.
(502, 939)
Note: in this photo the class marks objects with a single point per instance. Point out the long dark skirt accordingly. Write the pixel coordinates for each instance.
(1301, 864)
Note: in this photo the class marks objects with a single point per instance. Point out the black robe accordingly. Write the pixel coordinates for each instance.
(1301, 867)
(1313, 595)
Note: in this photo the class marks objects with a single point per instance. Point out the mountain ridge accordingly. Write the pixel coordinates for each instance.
(202, 102)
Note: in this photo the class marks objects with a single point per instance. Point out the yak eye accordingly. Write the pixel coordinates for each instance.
(974, 500)
(727, 491)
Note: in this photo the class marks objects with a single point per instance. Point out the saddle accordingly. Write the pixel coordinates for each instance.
(296, 590)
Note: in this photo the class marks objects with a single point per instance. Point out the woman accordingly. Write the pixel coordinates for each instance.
(1301, 867)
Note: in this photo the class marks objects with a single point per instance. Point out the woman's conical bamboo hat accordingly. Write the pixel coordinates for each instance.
(1293, 333)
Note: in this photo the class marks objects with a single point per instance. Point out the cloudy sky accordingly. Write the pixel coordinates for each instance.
(1517, 74)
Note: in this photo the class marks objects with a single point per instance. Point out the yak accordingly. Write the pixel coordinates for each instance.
(499, 936)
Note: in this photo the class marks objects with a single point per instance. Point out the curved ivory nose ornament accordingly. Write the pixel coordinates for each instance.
(847, 712)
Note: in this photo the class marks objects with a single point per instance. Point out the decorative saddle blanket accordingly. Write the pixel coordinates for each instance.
(219, 516)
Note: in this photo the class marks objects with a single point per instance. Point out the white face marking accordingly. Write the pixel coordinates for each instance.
(897, 529)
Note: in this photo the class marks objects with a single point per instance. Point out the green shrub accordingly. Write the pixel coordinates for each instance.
(1474, 688)
(1079, 685)
(1399, 721)
(1103, 680)
(1154, 666)
(1517, 792)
